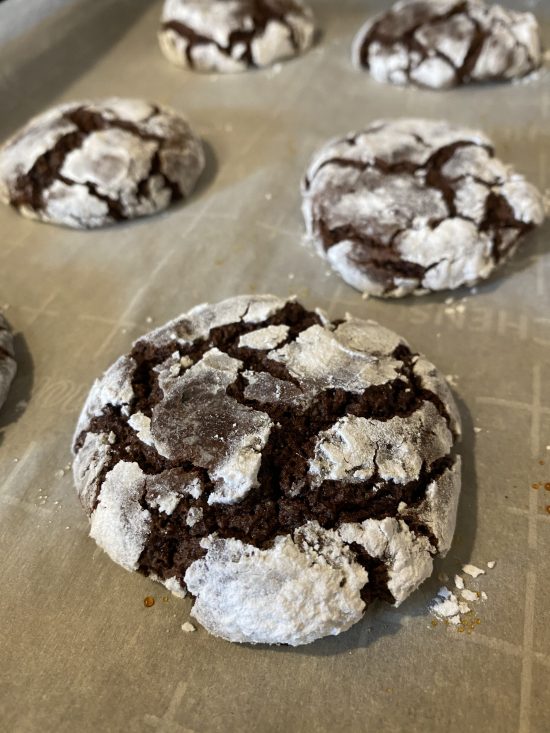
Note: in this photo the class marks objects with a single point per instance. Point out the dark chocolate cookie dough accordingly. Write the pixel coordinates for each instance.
(412, 206)
(234, 35)
(443, 43)
(284, 469)
(88, 164)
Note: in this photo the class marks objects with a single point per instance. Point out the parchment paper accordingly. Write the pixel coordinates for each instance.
(79, 650)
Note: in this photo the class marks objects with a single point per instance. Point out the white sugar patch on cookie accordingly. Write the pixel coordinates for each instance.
(119, 525)
(264, 338)
(142, 425)
(247, 594)
(439, 508)
(346, 362)
(355, 446)
(88, 465)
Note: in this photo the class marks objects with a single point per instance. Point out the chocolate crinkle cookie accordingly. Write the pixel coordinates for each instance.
(412, 206)
(8, 365)
(443, 43)
(234, 35)
(88, 164)
(283, 469)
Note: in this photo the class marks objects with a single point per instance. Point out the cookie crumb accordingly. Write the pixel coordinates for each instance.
(473, 570)
(148, 601)
(187, 627)
(459, 582)
(469, 595)
(491, 564)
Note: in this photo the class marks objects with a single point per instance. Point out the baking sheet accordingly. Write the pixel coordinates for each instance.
(79, 650)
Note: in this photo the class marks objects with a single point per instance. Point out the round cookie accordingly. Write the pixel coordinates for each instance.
(8, 365)
(283, 469)
(443, 43)
(412, 206)
(234, 35)
(88, 164)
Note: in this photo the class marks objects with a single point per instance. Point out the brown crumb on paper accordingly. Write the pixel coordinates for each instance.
(148, 601)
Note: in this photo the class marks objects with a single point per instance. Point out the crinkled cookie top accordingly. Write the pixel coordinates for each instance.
(88, 164)
(411, 206)
(284, 469)
(234, 35)
(443, 43)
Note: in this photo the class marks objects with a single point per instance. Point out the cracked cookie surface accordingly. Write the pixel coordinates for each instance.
(412, 206)
(88, 164)
(234, 35)
(443, 43)
(283, 469)
(8, 365)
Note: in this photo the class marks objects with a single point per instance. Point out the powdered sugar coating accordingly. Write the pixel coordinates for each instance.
(442, 43)
(355, 447)
(411, 206)
(234, 35)
(439, 508)
(352, 365)
(89, 164)
(290, 592)
(216, 476)
(8, 365)
(119, 525)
